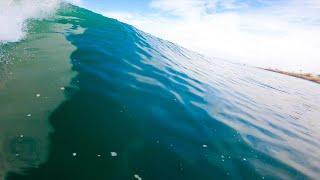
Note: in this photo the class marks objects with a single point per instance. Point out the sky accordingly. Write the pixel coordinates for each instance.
(282, 34)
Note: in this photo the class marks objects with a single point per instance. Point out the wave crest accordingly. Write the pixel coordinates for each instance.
(15, 13)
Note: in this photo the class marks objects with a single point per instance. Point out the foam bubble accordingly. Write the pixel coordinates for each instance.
(15, 13)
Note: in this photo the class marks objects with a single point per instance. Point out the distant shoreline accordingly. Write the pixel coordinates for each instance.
(305, 76)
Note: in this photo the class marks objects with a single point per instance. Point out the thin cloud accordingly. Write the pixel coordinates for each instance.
(281, 34)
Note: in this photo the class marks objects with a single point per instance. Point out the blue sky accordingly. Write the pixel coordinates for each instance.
(117, 5)
(144, 5)
(282, 34)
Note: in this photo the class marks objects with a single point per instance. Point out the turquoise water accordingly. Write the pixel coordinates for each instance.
(88, 97)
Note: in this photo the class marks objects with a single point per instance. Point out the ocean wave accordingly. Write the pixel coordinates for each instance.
(164, 111)
(15, 13)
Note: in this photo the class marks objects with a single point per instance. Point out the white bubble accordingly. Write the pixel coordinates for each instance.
(205, 146)
(113, 154)
(137, 177)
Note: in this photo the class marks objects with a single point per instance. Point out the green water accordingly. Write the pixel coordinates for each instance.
(87, 97)
(32, 86)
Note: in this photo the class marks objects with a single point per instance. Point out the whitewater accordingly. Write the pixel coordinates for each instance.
(83, 96)
(14, 15)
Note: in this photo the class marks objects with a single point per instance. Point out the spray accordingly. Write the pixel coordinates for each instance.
(14, 15)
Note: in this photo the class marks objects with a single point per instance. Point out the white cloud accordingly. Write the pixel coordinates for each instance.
(183, 8)
(283, 34)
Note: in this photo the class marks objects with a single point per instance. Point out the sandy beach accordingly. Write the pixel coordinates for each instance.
(306, 76)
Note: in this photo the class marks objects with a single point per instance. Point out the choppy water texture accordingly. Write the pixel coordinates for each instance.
(87, 97)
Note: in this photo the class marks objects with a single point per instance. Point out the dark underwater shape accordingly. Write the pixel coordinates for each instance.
(170, 113)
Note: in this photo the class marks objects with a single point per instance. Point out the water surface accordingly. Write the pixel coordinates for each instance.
(117, 103)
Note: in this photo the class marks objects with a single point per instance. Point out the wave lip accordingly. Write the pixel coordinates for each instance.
(15, 13)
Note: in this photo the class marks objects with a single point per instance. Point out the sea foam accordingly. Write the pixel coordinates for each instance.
(15, 13)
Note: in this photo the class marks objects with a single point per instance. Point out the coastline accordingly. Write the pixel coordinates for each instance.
(305, 76)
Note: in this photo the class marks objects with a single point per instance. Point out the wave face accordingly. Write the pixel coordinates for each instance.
(103, 100)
